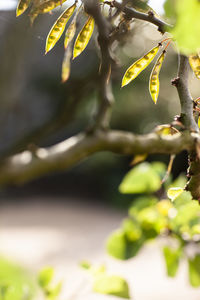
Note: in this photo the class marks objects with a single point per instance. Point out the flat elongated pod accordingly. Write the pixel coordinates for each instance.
(83, 37)
(58, 27)
(22, 6)
(137, 67)
(194, 61)
(71, 30)
(44, 8)
(66, 64)
(154, 83)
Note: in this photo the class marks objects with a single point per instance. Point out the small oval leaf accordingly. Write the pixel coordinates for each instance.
(58, 27)
(137, 67)
(154, 83)
(174, 192)
(83, 37)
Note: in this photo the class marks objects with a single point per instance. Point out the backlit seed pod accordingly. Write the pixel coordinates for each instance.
(58, 27)
(22, 6)
(194, 61)
(83, 37)
(70, 32)
(137, 67)
(66, 64)
(44, 8)
(154, 83)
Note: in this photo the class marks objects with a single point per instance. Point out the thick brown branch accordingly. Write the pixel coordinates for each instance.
(102, 119)
(186, 101)
(131, 13)
(27, 166)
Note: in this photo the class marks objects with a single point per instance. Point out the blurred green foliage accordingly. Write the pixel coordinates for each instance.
(153, 216)
(15, 282)
(106, 283)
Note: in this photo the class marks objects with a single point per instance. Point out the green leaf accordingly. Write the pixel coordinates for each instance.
(120, 247)
(172, 259)
(45, 276)
(111, 285)
(141, 179)
(85, 265)
(194, 271)
(173, 193)
(170, 10)
(187, 27)
(132, 229)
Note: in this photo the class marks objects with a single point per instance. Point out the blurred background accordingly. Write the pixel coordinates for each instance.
(63, 218)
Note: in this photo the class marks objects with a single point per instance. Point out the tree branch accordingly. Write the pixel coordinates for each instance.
(102, 119)
(131, 13)
(26, 166)
(186, 101)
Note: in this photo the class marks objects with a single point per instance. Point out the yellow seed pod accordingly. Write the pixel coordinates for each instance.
(194, 61)
(137, 67)
(58, 27)
(22, 6)
(66, 64)
(83, 37)
(154, 83)
(44, 8)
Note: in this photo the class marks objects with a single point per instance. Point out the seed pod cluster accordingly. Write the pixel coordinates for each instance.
(58, 28)
(137, 67)
(154, 84)
(194, 61)
(83, 37)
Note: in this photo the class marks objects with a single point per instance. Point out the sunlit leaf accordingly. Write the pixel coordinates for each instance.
(22, 6)
(120, 247)
(83, 37)
(58, 28)
(141, 179)
(164, 206)
(111, 285)
(173, 193)
(187, 28)
(132, 229)
(137, 67)
(154, 83)
(172, 259)
(194, 61)
(45, 276)
(194, 271)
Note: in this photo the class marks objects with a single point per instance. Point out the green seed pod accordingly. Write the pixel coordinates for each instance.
(22, 6)
(44, 8)
(83, 37)
(137, 67)
(154, 83)
(58, 27)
